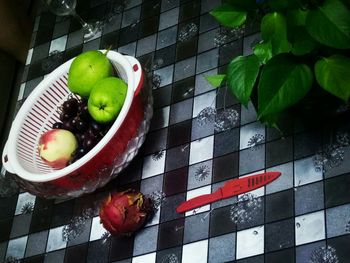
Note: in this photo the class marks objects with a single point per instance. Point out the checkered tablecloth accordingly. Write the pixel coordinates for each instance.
(199, 138)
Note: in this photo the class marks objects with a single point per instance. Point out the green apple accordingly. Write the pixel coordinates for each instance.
(106, 99)
(86, 69)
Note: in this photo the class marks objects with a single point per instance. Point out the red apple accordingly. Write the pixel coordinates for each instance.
(57, 147)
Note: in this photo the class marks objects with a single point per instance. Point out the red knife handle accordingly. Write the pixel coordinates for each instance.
(199, 201)
(247, 183)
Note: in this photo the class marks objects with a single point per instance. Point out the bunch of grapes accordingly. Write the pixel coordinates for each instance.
(74, 116)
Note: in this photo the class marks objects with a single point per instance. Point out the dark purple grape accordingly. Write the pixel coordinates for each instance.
(97, 135)
(82, 106)
(74, 122)
(77, 155)
(71, 106)
(84, 116)
(91, 132)
(96, 126)
(89, 143)
(68, 125)
(80, 137)
(65, 116)
(80, 152)
(57, 125)
(81, 125)
(83, 113)
(100, 135)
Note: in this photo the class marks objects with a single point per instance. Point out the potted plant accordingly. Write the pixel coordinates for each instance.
(302, 62)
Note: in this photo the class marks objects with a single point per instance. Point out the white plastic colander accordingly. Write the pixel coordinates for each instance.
(39, 112)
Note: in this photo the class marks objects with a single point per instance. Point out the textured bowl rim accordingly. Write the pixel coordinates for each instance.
(114, 57)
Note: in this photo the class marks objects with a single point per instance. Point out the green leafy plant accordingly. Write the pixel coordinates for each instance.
(305, 46)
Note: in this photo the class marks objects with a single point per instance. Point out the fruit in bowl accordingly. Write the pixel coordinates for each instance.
(106, 99)
(57, 147)
(74, 117)
(86, 69)
(96, 100)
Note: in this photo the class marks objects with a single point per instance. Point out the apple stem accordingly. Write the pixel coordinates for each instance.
(108, 49)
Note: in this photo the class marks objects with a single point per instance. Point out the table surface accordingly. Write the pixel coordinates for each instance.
(199, 138)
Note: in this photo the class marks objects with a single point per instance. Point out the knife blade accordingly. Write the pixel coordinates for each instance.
(231, 188)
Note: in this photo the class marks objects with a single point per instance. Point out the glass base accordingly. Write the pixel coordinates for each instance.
(91, 30)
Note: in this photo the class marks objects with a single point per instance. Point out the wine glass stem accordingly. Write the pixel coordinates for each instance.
(80, 20)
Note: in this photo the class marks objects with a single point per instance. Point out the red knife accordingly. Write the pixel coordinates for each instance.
(231, 188)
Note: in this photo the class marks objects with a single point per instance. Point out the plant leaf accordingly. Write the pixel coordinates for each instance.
(263, 51)
(296, 17)
(242, 73)
(272, 120)
(229, 16)
(247, 5)
(346, 2)
(283, 4)
(333, 75)
(302, 42)
(283, 83)
(274, 29)
(216, 80)
(329, 24)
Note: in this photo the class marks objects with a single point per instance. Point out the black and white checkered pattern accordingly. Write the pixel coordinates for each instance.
(301, 217)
